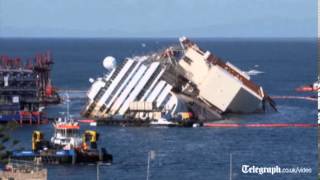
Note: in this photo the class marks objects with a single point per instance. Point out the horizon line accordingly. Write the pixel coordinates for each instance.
(155, 37)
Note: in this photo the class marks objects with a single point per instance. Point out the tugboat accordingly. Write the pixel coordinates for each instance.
(309, 88)
(66, 132)
(66, 135)
(66, 146)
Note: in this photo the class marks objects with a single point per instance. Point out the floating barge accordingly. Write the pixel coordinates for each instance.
(25, 88)
(65, 147)
(180, 83)
(73, 156)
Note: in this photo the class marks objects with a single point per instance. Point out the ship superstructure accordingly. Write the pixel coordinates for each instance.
(220, 84)
(24, 87)
(180, 82)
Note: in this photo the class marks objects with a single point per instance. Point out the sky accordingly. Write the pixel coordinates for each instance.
(158, 18)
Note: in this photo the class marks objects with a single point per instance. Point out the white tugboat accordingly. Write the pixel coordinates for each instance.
(66, 132)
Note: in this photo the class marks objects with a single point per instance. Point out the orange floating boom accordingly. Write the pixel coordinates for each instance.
(257, 125)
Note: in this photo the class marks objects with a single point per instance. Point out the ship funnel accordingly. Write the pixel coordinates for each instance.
(109, 63)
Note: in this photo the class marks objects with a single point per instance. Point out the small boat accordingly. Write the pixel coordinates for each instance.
(309, 88)
(162, 122)
(66, 134)
(91, 122)
(253, 72)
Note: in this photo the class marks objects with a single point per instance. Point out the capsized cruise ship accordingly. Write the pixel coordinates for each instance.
(182, 82)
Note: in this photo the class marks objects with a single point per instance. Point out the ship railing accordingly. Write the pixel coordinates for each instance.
(30, 116)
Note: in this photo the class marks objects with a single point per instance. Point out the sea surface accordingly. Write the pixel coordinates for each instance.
(189, 153)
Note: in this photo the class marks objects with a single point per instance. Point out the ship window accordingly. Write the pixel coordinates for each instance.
(187, 60)
(103, 107)
(100, 94)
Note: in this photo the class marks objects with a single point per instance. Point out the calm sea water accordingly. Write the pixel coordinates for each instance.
(188, 153)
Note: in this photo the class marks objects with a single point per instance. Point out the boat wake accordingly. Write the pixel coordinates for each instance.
(253, 72)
